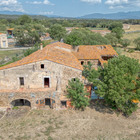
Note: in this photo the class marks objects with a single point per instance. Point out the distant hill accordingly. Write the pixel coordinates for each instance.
(11, 13)
(119, 15)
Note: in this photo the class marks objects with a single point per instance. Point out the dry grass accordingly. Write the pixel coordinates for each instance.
(70, 125)
(131, 37)
(133, 28)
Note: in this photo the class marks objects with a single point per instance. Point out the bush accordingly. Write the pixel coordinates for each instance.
(137, 43)
(125, 42)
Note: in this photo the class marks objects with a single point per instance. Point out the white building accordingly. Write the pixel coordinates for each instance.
(3, 41)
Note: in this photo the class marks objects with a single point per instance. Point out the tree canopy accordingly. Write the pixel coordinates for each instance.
(119, 83)
(57, 32)
(77, 94)
(84, 37)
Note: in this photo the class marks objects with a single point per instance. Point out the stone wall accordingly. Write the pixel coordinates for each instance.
(95, 63)
(34, 79)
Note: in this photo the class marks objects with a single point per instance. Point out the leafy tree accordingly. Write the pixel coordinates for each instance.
(112, 38)
(91, 74)
(84, 37)
(118, 31)
(137, 43)
(24, 19)
(115, 25)
(57, 32)
(119, 83)
(28, 34)
(125, 42)
(77, 94)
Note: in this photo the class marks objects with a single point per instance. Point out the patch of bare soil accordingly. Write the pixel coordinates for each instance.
(96, 123)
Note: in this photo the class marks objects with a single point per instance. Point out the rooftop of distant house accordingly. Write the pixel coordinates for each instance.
(10, 29)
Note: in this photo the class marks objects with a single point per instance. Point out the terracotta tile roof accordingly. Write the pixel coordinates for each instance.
(10, 29)
(52, 52)
(95, 52)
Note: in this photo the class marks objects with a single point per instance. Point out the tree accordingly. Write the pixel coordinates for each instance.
(125, 42)
(119, 83)
(115, 25)
(24, 19)
(84, 37)
(137, 43)
(112, 38)
(118, 31)
(77, 94)
(57, 32)
(28, 34)
(91, 74)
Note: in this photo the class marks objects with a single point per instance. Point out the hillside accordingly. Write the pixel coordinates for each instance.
(119, 15)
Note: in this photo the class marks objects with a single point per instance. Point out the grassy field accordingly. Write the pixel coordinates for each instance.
(91, 124)
(132, 37)
(10, 54)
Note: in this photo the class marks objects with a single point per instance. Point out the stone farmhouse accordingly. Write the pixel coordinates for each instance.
(40, 79)
(3, 41)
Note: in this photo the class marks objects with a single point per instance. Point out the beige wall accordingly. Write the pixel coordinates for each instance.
(95, 63)
(3, 41)
(34, 75)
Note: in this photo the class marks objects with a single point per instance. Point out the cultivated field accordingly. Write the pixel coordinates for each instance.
(96, 123)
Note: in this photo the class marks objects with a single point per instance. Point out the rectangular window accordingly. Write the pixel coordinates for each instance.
(42, 66)
(21, 79)
(46, 82)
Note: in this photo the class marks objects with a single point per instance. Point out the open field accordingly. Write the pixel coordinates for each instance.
(10, 54)
(132, 37)
(133, 28)
(69, 124)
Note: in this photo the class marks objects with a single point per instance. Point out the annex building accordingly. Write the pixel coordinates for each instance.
(40, 79)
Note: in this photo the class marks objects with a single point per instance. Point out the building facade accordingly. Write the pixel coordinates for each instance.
(3, 41)
(40, 79)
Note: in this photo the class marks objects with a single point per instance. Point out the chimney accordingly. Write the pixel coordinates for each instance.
(41, 46)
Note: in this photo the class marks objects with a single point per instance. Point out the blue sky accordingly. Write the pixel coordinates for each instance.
(69, 8)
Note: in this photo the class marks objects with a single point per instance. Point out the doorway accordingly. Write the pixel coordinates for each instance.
(46, 82)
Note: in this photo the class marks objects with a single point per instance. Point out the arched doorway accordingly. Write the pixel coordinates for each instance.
(21, 102)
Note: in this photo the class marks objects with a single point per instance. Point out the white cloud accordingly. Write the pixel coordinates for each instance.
(11, 5)
(46, 13)
(114, 2)
(122, 3)
(92, 1)
(47, 2)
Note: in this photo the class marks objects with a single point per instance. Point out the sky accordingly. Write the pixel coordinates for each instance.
(69, 8)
